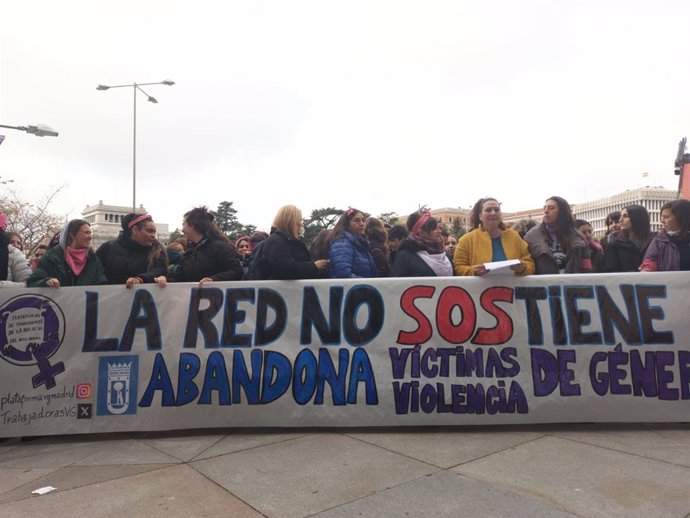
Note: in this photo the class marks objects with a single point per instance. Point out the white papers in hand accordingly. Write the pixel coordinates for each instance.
(501, 267)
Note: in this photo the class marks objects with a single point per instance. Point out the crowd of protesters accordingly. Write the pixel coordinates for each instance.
(357, 247)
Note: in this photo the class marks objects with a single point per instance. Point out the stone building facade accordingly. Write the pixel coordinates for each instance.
(106, 222)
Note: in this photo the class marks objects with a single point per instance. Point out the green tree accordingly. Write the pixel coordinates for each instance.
(390, 218)
(225, 216)
(458, 228)
(175, 234)
(319, 220)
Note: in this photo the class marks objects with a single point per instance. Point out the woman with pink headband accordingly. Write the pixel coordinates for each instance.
(135, 257)
(423, 253)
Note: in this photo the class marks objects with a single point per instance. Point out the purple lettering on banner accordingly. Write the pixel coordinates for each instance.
(548, 371)
(664, 377)
(684, 368)
(618, 357)
(544, 372)
(599, 381)
(643, 375)
(567, 375)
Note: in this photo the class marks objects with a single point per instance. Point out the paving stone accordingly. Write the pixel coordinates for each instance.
(448, 447)
(12, 478)
(174, 491)
(587, 480)
(73, 477)
(47, 454)
(126, 452)
(310, 474)
(670, 445)
(184, 448)
(445, 494)
(246, 440)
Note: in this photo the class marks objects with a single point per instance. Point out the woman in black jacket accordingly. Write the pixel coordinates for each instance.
(210, 256)
(283, 255)
(626, 247)
(135, 257)
(422, 254)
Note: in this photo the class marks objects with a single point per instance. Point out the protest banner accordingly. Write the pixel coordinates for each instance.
(346, 352)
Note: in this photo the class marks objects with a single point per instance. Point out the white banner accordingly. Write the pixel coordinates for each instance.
(383, 352)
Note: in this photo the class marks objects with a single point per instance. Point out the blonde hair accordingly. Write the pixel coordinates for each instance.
(288, 220)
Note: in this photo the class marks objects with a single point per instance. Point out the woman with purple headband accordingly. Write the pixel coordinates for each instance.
(135, 257)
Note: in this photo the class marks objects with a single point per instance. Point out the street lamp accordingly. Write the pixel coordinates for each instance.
(135, 87)
(39, 130)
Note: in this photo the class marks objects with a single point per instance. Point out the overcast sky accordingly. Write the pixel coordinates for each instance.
(378, 105)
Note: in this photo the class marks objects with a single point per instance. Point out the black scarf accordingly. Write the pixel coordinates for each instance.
(4, 255)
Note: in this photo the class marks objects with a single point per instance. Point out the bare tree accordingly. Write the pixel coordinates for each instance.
(34, 222)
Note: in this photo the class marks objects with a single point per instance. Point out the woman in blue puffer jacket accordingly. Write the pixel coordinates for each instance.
(349, 251)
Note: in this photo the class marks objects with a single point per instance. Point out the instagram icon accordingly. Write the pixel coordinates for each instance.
(84, 391)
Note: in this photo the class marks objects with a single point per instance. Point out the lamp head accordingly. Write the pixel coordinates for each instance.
(42, 131)
(153, 100)
(102, 87)
(167, 82)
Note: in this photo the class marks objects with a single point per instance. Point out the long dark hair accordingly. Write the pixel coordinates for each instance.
(157, 252)
(681, 211)
(375, 231)
(343, 223)
(565, 223)
(202, 221)
(639, 221)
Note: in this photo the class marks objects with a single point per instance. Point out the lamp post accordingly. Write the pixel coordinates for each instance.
(39, 130)
(135, 87)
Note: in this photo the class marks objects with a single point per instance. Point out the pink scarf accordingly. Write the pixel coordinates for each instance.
(76, 259)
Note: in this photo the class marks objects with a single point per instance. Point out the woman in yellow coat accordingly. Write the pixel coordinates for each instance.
(490, 241)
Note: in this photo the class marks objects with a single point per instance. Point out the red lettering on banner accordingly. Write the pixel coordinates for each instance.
(503, 331)
(423, 332)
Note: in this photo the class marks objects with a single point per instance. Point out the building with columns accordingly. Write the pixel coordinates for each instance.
(651, 198)
(105, 221)
(595, 211)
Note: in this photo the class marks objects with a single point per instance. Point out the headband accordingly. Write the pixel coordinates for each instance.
(139, 219)
(350, 211)
(426, 216)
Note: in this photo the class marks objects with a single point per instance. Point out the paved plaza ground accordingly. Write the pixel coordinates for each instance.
(527, 471)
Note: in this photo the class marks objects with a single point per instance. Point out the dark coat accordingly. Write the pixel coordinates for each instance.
(408, 264)
(380, 255)
(213, 258)
(350, 257)
(123, 258)
(53, 265)
(622, 255)
(286, 257)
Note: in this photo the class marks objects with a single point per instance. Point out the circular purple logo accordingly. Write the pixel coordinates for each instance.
(32, 328)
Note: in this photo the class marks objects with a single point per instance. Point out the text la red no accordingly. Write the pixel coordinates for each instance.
(450, 298)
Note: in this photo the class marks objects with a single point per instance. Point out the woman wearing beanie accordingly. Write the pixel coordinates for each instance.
(135, 257)
(14, 268)
(71, 262)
